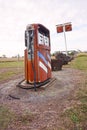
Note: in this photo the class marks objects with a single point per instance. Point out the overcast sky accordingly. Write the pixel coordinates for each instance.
(16, 14)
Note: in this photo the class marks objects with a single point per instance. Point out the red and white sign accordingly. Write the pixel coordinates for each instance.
(68, 27)
(64, 27)
(59, 29)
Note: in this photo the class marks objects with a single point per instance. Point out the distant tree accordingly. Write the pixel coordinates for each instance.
(4, 56)
(18, 57)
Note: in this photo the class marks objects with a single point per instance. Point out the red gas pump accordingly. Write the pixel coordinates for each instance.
(37, 54)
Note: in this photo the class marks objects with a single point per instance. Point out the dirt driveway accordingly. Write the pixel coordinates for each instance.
(46, 104)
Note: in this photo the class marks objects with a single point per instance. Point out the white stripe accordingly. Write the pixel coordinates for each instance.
(43, 66)
(49, 65)
(49, 57)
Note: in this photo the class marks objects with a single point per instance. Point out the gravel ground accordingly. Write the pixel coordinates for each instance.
(46, 104)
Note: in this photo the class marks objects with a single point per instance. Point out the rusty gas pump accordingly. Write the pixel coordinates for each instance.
(37, 56)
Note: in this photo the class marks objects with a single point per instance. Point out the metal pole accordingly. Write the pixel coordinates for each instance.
(65, 39)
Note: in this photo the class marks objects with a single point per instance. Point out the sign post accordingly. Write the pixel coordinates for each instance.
(64, 28)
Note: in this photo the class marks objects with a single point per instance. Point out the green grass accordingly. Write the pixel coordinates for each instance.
(80, 62)
(9, 118)
(6, 117)
(10, 68)
(77, 115)
(9, 74)
(11, 64)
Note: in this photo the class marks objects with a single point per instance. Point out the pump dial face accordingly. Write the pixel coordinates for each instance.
(42, 39)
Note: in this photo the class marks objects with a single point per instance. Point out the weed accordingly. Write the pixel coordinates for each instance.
(6, 117)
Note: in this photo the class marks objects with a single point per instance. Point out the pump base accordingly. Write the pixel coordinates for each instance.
(24, 85)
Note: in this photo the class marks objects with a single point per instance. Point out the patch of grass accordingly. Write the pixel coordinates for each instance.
(76, 117)
(11, 64)
(8, 74)
(10, 119)
(80, 62)
(6, 117)
(26, 118)
(81, 94)
(82, 54)
(10, 68)
(77, 114)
